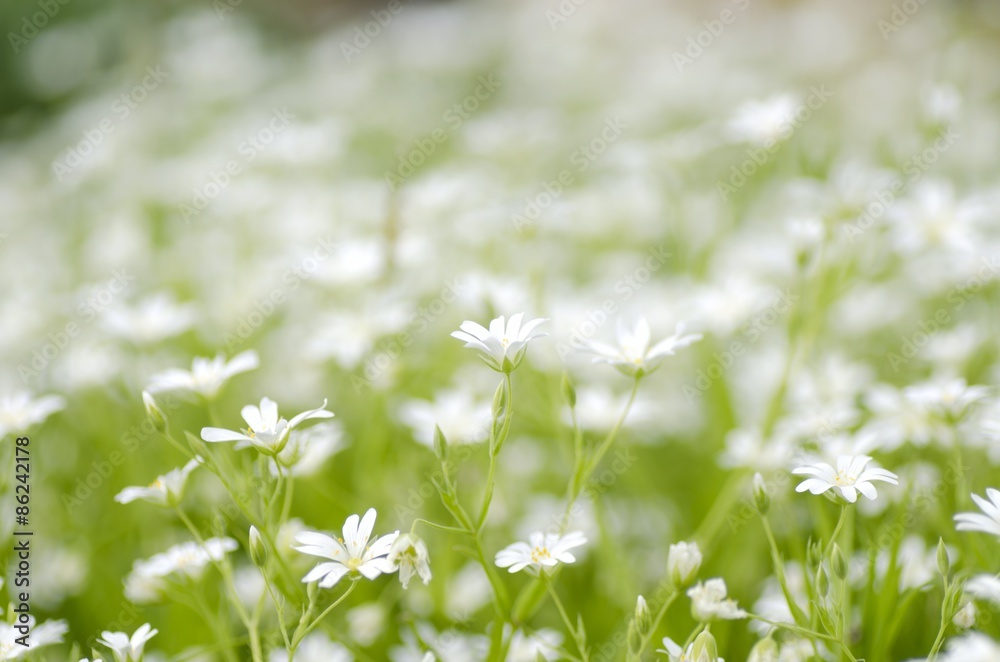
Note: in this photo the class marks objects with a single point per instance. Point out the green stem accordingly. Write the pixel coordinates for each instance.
(656, 623)
(300, 633)
(939, 640)
(580, 645)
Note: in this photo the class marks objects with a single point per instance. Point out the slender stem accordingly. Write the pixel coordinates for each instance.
(939, 640)
(806, 633)
(580, 645)
(836, 529)
(606, 444)
(435, 525)
(298, 636)
(496, 441)
(223, 567)
(779, 571)
(278, 607)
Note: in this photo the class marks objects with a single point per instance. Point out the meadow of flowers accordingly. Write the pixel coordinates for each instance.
(501, 331)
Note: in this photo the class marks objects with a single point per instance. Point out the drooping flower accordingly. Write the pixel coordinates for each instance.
(206, 376)
(166, 490)
(409, 555)
(125, 648)
(266, 431)
(545, 550)
(986, 522)
(709, 602)
(356, 554)
(19, 411)
(849, 478)
(633, 356)
(502, 346)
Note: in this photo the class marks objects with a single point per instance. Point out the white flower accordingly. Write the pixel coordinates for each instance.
(125, 648)
(206, 376)
(633, 356)
(965, 617)
(266, 432)
(950, 399)
(18, 412)
(986, 523)
(675, 653)
(150, 320)
(683, 562)
(46, 634)
(165, 490)
(308, 449)
(357, 553)
(544, 551)
(316, 647)
(709, 602)
(409, 555)
(502, 346)
(764, 122)
(972, 647)
(147, 580)
(984, 587)
(462, 418)
(849, 478)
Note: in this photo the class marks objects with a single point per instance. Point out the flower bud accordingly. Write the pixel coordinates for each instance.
(822, 581)
(499, 400)
(965, 617)
(814, 554)
(705, 648)
(153, 411)
(643, 619)
(258, 550)
(943, 562)
(568, 391)
(838, 563)
(683, 562)
(440, 444)
(760, 496)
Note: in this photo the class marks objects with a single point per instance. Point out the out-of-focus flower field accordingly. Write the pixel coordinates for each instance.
(724, 273)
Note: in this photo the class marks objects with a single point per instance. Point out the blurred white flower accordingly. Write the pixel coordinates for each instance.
(965, 617)
(950, 398)
(709, 602)
(367, 622)
(986, 522)
(633, 356)
(308, 449)
(316, 647)
(408, 555)
(166, 490)
(764, 122)
(206, 376)
(675, 653)
(533, 647)
(357, 553)
(850, 477)
(545, 550)
(266, 432)
(19, 411)
(502, 346)
(462, 418)
(125, 648)
(147, 580)
(971, 647)
(46, 634)
(984, 587)
(150, 320)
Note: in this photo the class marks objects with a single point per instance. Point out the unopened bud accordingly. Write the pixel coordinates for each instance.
(760, 496)
(568, 391)
(838, 563)
(258, 549)
(705, 648)
(943, 562)
(154, 412)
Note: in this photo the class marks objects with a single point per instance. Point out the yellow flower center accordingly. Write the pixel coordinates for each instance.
(540, 553)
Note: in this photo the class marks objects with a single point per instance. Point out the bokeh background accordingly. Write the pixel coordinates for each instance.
(464, 160)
